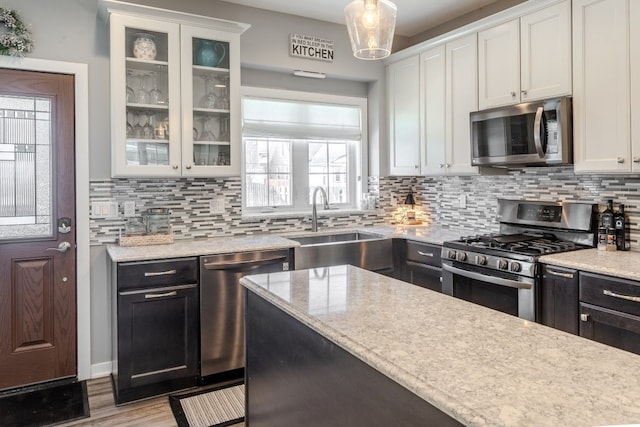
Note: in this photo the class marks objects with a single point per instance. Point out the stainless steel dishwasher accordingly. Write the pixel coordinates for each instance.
(222, 305)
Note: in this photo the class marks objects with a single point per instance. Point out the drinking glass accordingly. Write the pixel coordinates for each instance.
(129, 125)
(147, 129)
(224, 129)
(207, 134)
(142, 94)
(222, 94)
(209, 99)
(155, 94)
(131, 95)
(137, 128)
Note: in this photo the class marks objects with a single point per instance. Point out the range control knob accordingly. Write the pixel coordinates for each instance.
(451, 254)
(503, 264)
(462, 256)
(481, 260)
(516, 267)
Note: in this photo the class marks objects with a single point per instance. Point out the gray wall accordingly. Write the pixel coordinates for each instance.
(70, 30)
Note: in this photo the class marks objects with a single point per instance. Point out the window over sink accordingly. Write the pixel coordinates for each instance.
(294, 142)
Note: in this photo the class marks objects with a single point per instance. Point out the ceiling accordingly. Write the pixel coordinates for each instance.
(414, 16)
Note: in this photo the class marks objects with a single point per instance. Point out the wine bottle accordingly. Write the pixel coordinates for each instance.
(620, 224)
(606, 217)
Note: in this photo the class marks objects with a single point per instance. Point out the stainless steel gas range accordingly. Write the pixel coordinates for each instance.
(501, 271)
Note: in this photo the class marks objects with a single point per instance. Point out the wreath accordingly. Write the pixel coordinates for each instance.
(15, 39)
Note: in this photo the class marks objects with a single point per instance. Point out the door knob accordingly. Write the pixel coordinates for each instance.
(62, 247)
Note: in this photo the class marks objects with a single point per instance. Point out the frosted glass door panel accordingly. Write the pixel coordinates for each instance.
(25, 167)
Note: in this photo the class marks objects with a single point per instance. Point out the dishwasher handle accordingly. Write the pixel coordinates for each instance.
(245, 265)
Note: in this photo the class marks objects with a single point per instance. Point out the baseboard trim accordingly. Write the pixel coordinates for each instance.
(101, 370)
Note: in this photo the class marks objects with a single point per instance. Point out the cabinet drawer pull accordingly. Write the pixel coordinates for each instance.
(166, 294)
(557, 273)
(584, 317)
(429, 254)
(620, 296)
(159, 273)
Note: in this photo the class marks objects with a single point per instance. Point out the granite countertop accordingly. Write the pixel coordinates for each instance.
(480, 366)
(219, 245)
(185, 248)
(619, 264)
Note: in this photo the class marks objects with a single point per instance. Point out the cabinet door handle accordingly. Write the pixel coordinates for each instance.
(524, 92)
(620, 159)
(513, 94)
(636, 160)
(620, 296)
(584, 317)
(441, 165)
(557, 273)
(416, 167)
(188, 166)
(429, 254)
(159, 273)
(175, 166)
(163, 295)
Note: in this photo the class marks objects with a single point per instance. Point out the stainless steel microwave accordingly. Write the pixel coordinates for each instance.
(535, 133)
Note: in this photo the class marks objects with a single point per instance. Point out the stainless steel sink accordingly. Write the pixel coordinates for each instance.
(319, 239)
(365, 250)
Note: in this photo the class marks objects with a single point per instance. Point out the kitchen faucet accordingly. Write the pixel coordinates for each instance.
(314, 212)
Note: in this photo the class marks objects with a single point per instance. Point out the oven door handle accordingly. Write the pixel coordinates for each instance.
(483, 277)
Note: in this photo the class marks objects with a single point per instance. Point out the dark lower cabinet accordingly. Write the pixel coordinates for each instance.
(559, 299)
(610, 311)
(157, 328)
(418, 263)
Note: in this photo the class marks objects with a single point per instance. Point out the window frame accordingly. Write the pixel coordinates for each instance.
(357, 152)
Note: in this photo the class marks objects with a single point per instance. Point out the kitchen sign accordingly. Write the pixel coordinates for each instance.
(311, 47)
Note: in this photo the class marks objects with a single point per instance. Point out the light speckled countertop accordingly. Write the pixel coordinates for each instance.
(184, 248)
(619, 264)
(219, 245)
(480, 366)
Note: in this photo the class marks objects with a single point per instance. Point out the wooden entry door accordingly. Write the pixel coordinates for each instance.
(37, 228)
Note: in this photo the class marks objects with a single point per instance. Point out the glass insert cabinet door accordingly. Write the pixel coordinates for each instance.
(211, 110)
(145, 103)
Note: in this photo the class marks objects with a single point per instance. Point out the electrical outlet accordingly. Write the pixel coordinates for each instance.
(216, 206)
(462, 201)
(129, 208)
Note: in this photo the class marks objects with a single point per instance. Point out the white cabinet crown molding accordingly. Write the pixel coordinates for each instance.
(506, 15)
(107, 7)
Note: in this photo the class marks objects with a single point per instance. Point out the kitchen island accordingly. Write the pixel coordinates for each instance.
(473, 365)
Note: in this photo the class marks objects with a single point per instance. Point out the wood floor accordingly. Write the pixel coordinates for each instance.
(152, 412)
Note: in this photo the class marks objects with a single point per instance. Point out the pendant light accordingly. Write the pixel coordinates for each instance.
(371, 24)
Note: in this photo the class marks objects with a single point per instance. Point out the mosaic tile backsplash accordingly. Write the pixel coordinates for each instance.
(437, 198)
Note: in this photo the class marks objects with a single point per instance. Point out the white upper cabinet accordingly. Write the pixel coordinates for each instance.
(499, 65)
(448, 94)
(403, 103)
(433, 101)
(461, 99)
(527, 58)
(175, 105)
(430, 97)
(605, 57)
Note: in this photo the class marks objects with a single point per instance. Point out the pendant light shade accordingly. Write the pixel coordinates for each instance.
(371, 24)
